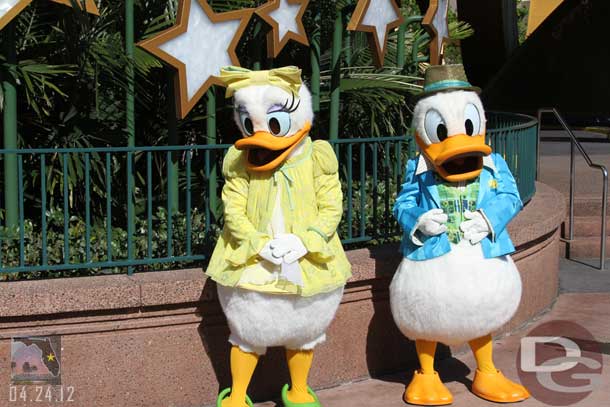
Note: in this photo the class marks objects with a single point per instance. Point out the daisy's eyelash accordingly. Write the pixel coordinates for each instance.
(292, 106)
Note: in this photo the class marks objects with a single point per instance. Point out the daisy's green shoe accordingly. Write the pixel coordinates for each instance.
(225, 393)
(288, 403)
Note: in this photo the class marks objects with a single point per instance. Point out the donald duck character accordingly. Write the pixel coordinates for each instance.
(456, 282)
(279, 265)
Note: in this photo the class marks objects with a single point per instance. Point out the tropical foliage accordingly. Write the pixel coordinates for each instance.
(72, 86)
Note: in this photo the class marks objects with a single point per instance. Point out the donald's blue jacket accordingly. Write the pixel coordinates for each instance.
(498, 199)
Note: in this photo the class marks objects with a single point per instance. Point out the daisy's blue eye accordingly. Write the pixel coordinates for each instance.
(246, 123)
(279, 123)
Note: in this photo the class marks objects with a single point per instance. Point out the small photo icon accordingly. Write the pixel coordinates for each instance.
(36, 360)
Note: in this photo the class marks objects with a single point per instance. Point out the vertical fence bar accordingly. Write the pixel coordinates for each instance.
(149, 225)
(172, 139)
(108, 208)
(130, 210)
(129, 49)
(188, 202)
(130, 120)
(350, 209)
(10, 129)
(335, 95)
(206, 169)
(348, 48)
(211, 140)
(398, 175)
(375, 146)
(170, 223)
(43, 208)
(87, 208)
(21, 220)
(362, 189)
(314, 51)
(386, 217)
(400, 46)
(258, 51)
(66, 210)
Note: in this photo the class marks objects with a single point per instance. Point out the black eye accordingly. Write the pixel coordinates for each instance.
(274, 126)
(248, 126)
(441, 132)
(469, 127)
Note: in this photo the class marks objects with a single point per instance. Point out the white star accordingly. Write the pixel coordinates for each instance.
(9, 9)
(378, 18)
(203, 48)
(6, 6)
(440, 23)
(380, 14)
(286, 17)
(197, 46)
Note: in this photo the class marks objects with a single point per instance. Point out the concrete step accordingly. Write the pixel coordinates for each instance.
(587, 226)
(585, 247)
(585, 205)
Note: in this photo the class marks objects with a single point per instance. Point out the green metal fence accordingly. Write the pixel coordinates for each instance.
(85, 224)
(514, 137)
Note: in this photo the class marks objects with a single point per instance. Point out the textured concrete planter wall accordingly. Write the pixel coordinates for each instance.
(160, 339)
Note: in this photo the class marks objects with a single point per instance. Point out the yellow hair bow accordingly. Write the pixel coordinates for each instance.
(235, 78)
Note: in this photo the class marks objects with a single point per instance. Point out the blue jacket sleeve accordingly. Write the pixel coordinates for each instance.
(500, 209)
(406, 209)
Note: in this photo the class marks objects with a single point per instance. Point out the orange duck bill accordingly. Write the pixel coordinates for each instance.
(457, 158)
(266, 152)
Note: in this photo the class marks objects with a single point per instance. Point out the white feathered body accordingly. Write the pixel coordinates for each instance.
(455, 297)
(262, 320)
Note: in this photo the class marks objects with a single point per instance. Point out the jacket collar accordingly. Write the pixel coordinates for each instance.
(424, 165)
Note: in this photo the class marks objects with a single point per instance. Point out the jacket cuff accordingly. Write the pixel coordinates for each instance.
(492, 233)
(316, 243)
(248, 249)
(413, 233)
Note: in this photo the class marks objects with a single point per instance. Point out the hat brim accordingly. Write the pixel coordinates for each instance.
(422, 95)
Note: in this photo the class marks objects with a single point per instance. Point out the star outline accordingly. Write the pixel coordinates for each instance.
(152, 45)
(436, 55)
(274, 44)
(13, 12)
(355, 24)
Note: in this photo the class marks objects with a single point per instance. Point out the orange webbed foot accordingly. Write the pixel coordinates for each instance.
(427, 389)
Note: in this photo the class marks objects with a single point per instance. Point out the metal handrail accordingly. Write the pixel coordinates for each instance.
(574, 142)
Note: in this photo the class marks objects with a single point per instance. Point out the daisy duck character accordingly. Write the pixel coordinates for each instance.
(456, 282)
(279, 265)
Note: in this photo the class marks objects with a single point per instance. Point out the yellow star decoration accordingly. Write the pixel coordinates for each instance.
(493, 184)
(51, 357)
(197, 46)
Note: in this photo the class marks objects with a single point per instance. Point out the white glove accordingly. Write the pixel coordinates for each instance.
(432, 223)
(268, 254)
(289, 247)
(476, 228)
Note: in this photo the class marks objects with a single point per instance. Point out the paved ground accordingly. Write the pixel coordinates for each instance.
(579, 276)
(585, 298)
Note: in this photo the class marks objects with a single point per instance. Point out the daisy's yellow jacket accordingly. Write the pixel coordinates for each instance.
(311, 202)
